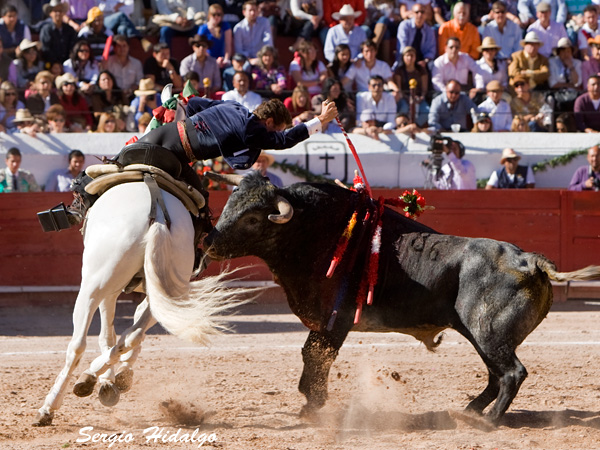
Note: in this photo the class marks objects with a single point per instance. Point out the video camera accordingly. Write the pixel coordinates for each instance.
(436, 148)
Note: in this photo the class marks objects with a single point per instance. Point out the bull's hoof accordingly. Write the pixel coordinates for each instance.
(43, 419)
(85, 385)
(124, 379)
(109, 394)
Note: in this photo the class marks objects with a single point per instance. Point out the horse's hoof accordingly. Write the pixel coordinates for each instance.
(124, 379)
(109, 395)
(309, 413)
(85, 385)
(43, 419)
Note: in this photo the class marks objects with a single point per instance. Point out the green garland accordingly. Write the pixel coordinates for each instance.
(300, 172)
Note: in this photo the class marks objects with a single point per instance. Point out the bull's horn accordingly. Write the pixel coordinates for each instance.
(286, 211)
(229, 178)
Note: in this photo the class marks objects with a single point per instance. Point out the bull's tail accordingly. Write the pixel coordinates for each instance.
(186, 309)
(587, 273)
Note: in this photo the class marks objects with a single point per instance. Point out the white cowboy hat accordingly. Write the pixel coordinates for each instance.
(65, 78)
(26, 44)
(55, 4)
(509, 153)
(531, 38)
(346, 11)
(23, 115)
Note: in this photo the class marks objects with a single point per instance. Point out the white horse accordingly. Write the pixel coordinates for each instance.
(120, 244)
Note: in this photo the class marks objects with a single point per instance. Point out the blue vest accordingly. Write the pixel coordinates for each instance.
(520, 181)
(7, 39)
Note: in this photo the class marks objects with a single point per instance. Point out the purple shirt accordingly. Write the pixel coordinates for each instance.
(580, 176)
(586, 115)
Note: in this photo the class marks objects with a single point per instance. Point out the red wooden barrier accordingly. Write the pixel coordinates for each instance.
(563, 225)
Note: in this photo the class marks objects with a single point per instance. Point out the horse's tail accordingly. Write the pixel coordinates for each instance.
(186, 309)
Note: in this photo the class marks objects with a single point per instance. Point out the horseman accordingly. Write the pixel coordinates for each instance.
(216, 128)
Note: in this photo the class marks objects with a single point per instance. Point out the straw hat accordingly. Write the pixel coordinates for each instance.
(494, 85)
(543, 7)
(346, 11)
(509, 153)
(488, 44)
(93, 14)
(531, 38)
(55, 5)
(26, 44)
(65, 78)
(23, 115)
(146, 87)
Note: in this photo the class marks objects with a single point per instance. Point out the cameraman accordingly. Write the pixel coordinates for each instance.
(587, 178)
(456, 173)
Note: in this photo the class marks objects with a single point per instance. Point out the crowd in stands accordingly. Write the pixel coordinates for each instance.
(391, 66)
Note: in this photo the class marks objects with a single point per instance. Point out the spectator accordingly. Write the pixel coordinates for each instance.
(79, 117)
(333, 91)
(519, 124)
(232, 10)
(194, 80)
(241, 92)
(497, 108)
(402, 125)
(143, 122)
(416, 33)
(15, 179)
(375, 105)
(453, 65)
(483, 124)
(8, 70)
(299, 106)
(60, 180)
(505, 33)
(126, 69)
(529, 63)
(442, 10)
(146, 99)
(57, 37)
(511, 176)
(588, 31)
(490, 66)
(76, 13)
(331, 9)
(307, 69)
(407, 12)
(107, 97)
(95, 33)
(457, 172)
(528, 9)
(547, 30)
(219, 34)
(346, 32)
(267, 74)
(37, 103)
(565, 71)
(451, 107)
(82, 66)
(162, 68)
(305, 19)
(587, 178)
(117, 18)
(28, 63)
(107, 123)
(262, 164)
(406, 70)
(251, 33)
(238, 62)
(10, 103)
(587, 107)
(12, 30)
(361, 72)
(201, 62)
(565, 123)
(528, 104)
(461, 28)
(26, 123)
(341, 63)
(57, 119)
(591, 66)
(179, 18)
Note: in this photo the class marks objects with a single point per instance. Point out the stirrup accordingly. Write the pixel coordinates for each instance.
(58, 218)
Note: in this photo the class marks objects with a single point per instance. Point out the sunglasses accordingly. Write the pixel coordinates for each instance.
(377, 85)
(83, 50)
(519, 84)
(454, 92)
(11, 94)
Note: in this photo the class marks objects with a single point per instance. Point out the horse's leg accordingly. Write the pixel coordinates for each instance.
(108, 393)
(85, 306)
(129, 340)
(124, 377)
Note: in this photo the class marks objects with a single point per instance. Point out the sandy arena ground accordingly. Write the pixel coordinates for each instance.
(386, 390)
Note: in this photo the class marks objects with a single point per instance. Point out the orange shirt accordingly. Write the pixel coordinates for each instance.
(469, 38)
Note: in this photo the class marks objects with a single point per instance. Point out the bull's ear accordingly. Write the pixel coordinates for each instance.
(286, 211)
(228, 178)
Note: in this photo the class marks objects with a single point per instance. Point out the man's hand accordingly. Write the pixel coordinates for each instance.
(328, 112)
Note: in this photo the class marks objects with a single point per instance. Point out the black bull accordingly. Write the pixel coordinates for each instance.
(491, 292)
